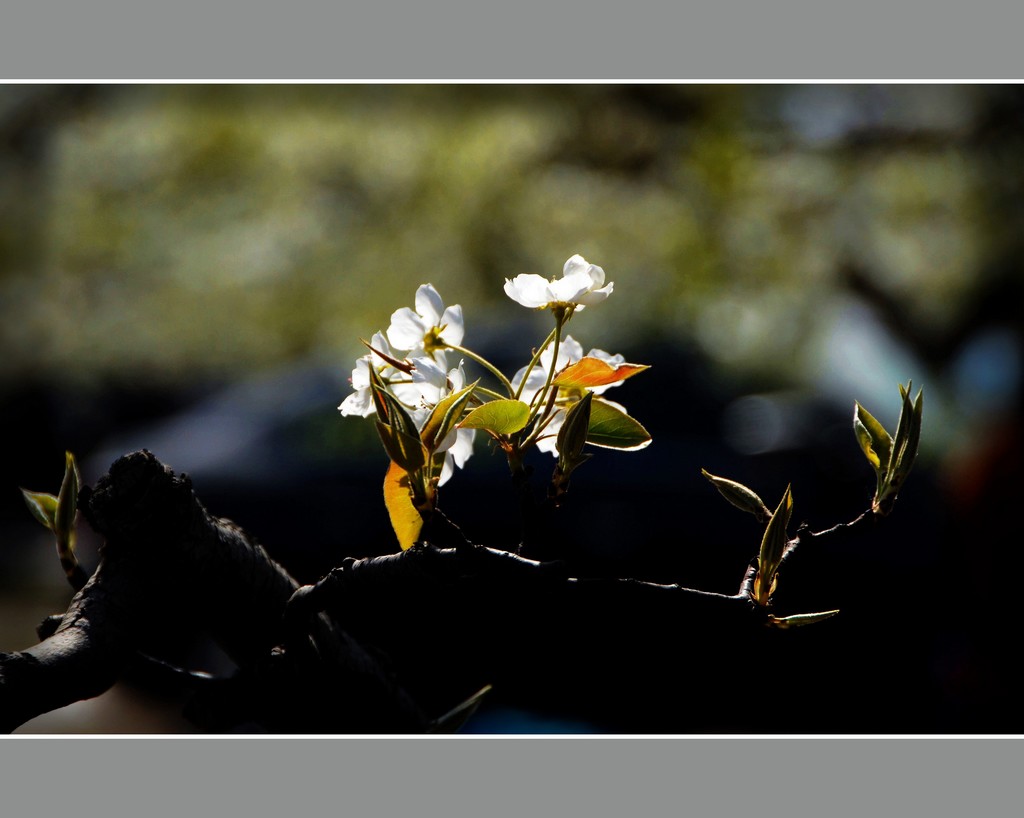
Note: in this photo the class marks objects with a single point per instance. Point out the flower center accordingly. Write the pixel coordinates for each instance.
(432, 340)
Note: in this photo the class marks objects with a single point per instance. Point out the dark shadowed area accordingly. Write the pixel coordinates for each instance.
(190, 269)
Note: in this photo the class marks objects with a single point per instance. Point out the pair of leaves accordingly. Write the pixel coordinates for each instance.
(891, 457)
(58, 513)
(773, 546)
(407, 446)
(609, 426)
(417, 456)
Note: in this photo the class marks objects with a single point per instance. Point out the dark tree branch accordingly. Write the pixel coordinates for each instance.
(377, 643)
(167, 567)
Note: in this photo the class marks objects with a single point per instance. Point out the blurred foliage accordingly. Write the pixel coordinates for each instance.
(171, 233)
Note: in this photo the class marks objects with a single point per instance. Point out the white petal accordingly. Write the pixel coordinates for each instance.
(447, 470)
(451, 320)
(538, 375)
(571, 288)
(359, 403)
(575, 264)
(419, 416)
(569, 351)
(361, 374)
(529, 289)
(407, 330)
(429, 305)
(457, 377)
(380, 343)
(601, 355)
(428, 372)
(596, 296)
(448, 441)
(462, 449)
(410, 394)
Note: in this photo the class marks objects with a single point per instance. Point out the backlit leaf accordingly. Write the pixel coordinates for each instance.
(573, 434)
(43, 506)
(502, 417)
(874, 441)
(908, 453)
(611, 428)
(773, 544)
(405, 450)
(67, 508)
(405, 519)
(740, 496)
(589, 372)
(445, 417)
(800, 619)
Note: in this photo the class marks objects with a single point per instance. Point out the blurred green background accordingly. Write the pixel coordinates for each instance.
(801, 246)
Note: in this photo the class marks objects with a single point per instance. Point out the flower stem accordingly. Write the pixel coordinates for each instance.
(546, 398)
(536, 360)
(486, 364)
(483, 390)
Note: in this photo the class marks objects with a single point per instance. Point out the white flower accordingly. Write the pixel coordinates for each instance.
(581, 284)
(430, 327)
(360, 402)
(433, 384)
(569, 351)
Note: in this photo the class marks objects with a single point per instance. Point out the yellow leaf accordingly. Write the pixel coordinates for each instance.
(405, 519)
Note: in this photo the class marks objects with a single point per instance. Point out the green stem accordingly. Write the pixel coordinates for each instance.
(490, 393)
(560, 319)
(547, 400)
(486, 364)
(536, 359)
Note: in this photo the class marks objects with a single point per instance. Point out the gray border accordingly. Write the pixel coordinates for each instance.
(590, 777)
(495, 777)
(387, 40)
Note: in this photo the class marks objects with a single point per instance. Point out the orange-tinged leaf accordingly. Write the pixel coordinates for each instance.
(589, 372)
(405, 519)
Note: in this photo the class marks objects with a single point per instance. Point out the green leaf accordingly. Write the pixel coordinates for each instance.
(405, 450)
(67, 508)
(902, 428)
(905, 457)
(500, 417)
(589, 372)
(390, 410)
(573, 434)
(800, 619)
(445, 417)
(612, 428)
(377, 392)
(740, 496)
(874, 441)
(43, 507)
(773, 545)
